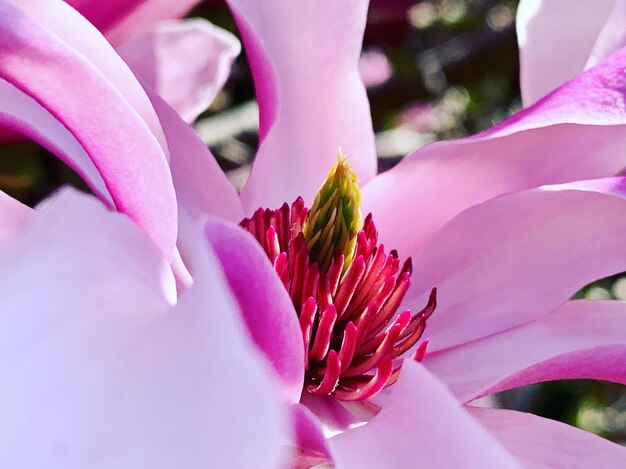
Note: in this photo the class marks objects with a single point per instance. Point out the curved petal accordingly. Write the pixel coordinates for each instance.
(421, 425)
(72, 29)
(58, 231)
(612, 36)
(335, 415)
(263, 300)
(515, 258)
(579, 340)
(23, 114)
(539, 442)
(304, 58)
(556, 38)
(117, 140)
(14, 216)
(201, 186)
(119, 20)
(577, 132)
(186, 62)
(99, 371)
(312, 448)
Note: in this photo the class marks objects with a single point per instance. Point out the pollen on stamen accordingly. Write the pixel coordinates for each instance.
(346, 290)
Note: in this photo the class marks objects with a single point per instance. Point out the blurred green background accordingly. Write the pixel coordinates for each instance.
(435, 69)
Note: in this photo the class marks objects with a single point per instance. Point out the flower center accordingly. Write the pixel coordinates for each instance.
(345, 288)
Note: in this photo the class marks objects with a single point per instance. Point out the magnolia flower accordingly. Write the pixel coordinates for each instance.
(492, 221)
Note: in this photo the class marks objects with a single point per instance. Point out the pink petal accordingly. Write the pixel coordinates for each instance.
(119, 20)
(186, 62)
(580, 339)
(72, 29)
(304, 59)
(556, 38)
(539, 442)
(25, 115)
(575, 133)
(421, 425)
(311, 444)
(263, 300)
(612, 36)
(58, 230)
(336, 415)
(14, 215)
(123, 149)
(99, 370)
(515, 258)
(201, 186)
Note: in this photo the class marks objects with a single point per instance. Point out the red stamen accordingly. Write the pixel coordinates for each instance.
(370, 387)
(273, 246)
(324, 334)
(311, 279)
(352, 335)
(281, 266)
(331, 376)
(349, 284)
(348, 346)
(420, 351)
(307, 318)
(383, 349)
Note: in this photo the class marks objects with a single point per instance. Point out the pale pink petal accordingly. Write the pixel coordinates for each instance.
(123, 149)
(517, 257)
(579, 340)
(311, 447)
(72, 29)
(304, 58)
(543, 443)
(59, 228)
(22, 113)
(99, 371)
(578, 132)
(119, 20)
(186, 62)
(14, 216)
(201, 186)
(556, 38)
(333, 414)
(421, 425)
(263, 300)
(612, 36)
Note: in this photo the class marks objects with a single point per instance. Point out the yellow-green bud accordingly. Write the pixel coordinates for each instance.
(335, 217)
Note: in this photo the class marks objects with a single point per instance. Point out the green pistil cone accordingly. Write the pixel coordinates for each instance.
(335, 217)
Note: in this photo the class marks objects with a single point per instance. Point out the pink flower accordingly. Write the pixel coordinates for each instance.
(493, 221)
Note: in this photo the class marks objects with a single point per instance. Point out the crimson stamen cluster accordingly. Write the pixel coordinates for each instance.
(352, 337)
